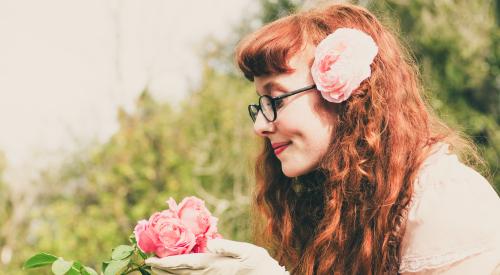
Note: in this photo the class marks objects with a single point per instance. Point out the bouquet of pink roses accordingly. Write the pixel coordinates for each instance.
(183, 228)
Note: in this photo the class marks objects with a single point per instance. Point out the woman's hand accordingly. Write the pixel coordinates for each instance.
(225, 257)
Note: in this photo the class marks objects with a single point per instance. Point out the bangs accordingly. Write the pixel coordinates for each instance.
(268, 50)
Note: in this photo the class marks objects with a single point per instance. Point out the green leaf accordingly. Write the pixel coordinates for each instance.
(116, 266)
(40, 259)
(73, 271)
(60, 266)
(89, 271)
(104, 265)
(132, 239)
(142, 254)
(77, 265)
(80, 269)
(121, 252)
(144, 271)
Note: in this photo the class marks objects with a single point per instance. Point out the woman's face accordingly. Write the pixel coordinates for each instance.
(301, 133)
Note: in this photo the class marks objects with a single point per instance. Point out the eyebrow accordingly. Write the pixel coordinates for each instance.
(270, 86)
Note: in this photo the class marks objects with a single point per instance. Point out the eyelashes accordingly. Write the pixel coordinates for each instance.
(278, 103)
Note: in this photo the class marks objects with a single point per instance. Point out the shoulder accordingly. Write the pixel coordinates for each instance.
(453, 215)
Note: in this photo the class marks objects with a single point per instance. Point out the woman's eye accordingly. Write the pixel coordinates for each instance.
(278, 103)
(275, 93)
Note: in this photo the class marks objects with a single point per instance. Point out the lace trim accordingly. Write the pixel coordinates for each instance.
(419, 263)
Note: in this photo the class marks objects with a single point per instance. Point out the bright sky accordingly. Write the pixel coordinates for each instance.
(66, 66)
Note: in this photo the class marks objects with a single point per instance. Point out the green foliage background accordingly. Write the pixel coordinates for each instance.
(205, 147)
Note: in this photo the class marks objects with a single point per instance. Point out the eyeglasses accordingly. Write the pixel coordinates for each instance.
(268, 105)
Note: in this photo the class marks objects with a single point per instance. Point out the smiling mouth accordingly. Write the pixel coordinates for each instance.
(280, 147)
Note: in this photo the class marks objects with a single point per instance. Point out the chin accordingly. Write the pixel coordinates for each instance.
(293, 172)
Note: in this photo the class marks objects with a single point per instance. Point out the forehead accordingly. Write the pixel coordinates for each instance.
(299, 76)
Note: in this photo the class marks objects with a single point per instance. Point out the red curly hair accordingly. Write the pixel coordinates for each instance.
(347, 216)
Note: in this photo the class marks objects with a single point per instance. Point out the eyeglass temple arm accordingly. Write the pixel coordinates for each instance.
(295, 92)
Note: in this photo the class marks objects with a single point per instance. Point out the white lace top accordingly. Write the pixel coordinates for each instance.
(453, 224)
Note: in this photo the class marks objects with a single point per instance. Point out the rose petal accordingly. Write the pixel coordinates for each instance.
(342, 61)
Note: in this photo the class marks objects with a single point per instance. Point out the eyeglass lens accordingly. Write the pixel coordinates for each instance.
(253, 110)
(266, 105)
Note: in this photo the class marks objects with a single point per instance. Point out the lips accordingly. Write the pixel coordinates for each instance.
(280, 147)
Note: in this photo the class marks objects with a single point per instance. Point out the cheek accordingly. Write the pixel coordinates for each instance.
(317, 140)
(309, 124)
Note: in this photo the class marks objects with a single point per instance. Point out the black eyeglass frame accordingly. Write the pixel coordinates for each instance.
(273, 101)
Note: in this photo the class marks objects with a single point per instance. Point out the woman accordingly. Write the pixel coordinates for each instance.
(356, 175)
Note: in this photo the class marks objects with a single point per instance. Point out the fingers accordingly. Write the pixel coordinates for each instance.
(220, 266)
(194, 264)
(186, 261)
(158, 271)
(233, 249)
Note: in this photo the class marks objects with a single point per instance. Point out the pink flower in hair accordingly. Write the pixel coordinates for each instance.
(341, 62)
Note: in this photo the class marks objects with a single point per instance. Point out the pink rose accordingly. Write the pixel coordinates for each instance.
(164, 234)
(144, 237)
(341, 62)
(195, 215)
(182, 229)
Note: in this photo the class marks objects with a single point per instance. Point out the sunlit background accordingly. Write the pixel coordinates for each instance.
(66, 66)
(109, 107)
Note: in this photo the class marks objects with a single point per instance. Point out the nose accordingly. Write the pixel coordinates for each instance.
(262, 127)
